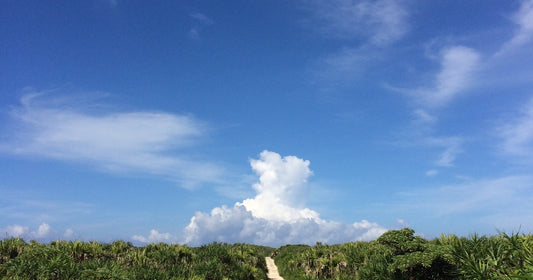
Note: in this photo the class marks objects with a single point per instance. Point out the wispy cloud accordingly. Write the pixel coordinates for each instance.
(364, 30)
(30, 207)
(458, 66)
(201, 18)
(421, 134)
(523, 18)
(377, 22)
(200, 22)
(448, 148)
(276, 215)
(148, 142)
(505, 196)
(346, 65)
(462, 67)
(422, 117)
(452, 147)
(517, 134)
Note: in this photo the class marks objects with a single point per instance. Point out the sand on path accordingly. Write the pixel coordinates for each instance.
(273, 273)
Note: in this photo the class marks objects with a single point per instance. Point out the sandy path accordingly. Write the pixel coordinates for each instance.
(273, 273)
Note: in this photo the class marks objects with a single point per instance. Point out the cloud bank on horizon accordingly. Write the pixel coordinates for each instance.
(43, 232)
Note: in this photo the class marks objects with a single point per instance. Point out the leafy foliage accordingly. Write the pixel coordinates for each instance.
(399, 254)
(122, 260)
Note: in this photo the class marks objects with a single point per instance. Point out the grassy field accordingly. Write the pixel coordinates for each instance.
(397, 254)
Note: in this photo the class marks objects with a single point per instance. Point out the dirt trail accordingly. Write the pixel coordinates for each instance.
(273, 273)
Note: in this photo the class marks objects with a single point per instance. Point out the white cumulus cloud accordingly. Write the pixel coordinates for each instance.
(15, 230)
(69, 233)
(276, 215)
(42, 232)
(281, 181)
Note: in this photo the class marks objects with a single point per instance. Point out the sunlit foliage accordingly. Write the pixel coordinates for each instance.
(399, 254)
(122, 260)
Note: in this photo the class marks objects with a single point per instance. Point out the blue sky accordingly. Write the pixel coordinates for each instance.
(264, 122)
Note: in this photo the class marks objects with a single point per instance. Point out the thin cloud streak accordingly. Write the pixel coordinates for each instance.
(496, 196)
(452, 147)
(523, 35)
(203, 19)
(366, 29)
(346, 65)
(458, 66)
(113, 141)
(462, 67)
(28, 207)
(200, 22)
(517, 134)
(378, 22)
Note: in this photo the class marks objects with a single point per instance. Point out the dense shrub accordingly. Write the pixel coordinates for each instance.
(399, 254)
(122, 260)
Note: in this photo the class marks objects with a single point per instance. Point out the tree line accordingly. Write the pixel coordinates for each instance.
(397, 254)
(122, 260)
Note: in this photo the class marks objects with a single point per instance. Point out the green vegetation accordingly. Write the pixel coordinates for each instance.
(399, 254)
(121, 260)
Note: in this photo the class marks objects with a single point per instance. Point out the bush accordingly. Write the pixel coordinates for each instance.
(399, 254)
(122, 260)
